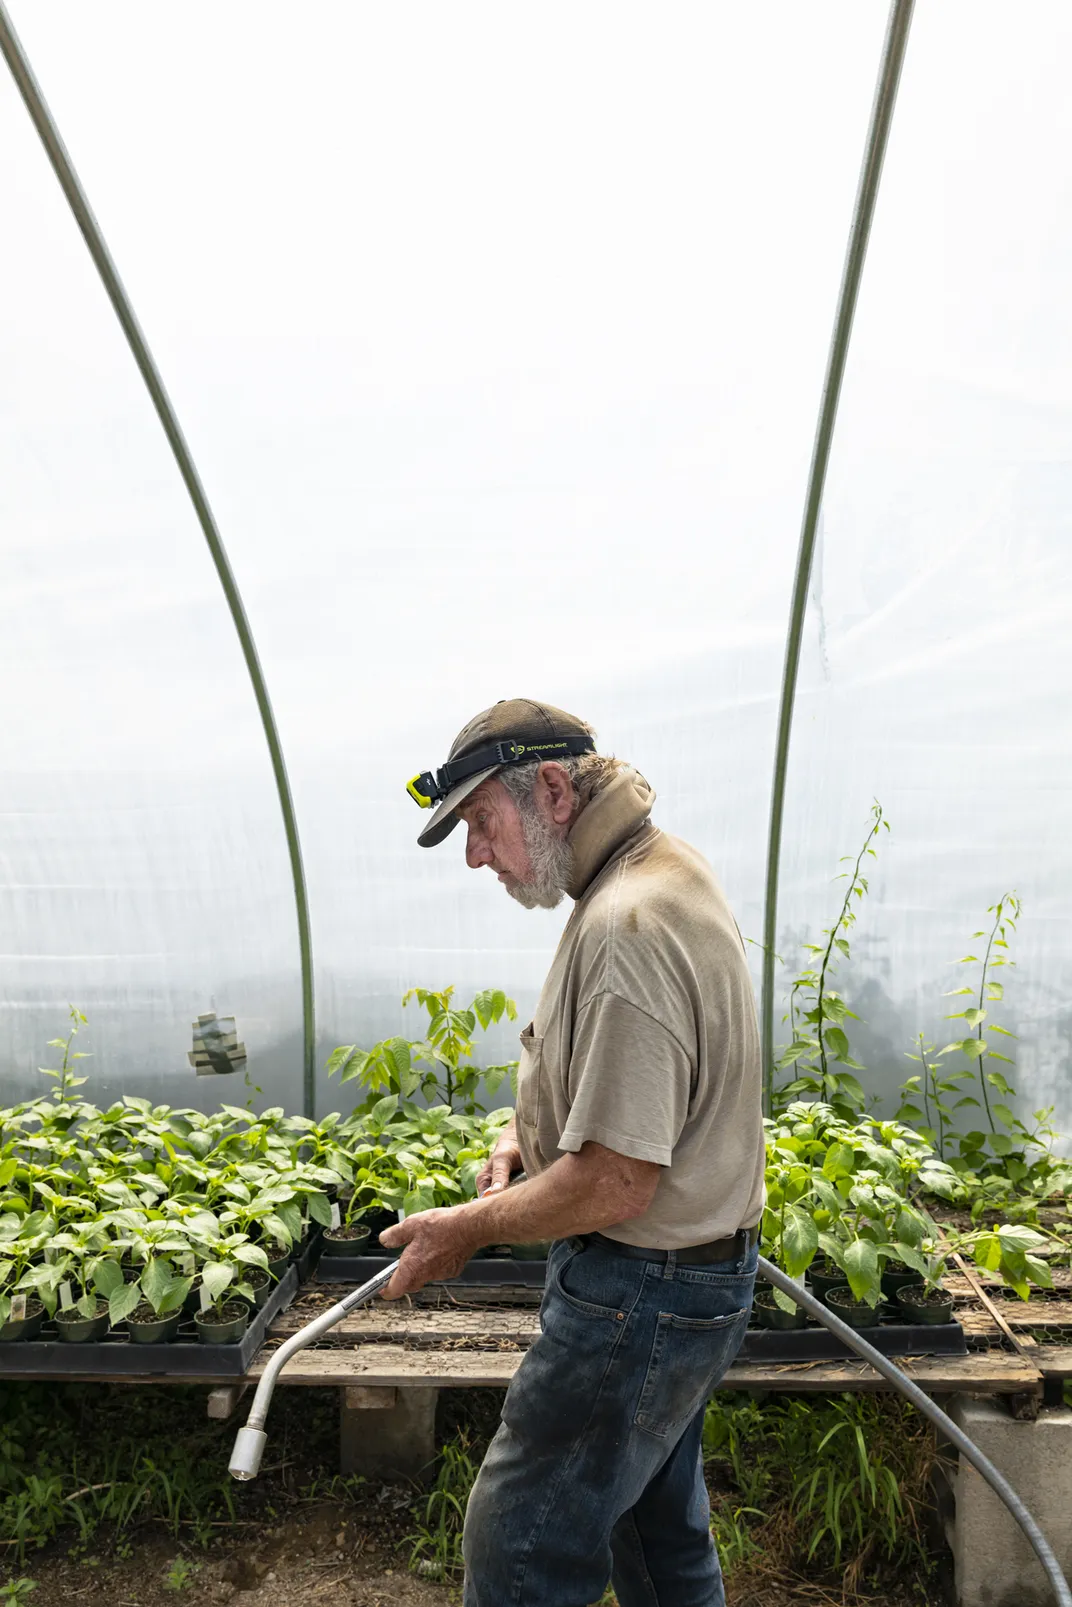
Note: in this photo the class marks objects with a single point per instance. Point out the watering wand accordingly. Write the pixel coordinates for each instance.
(249, 1445)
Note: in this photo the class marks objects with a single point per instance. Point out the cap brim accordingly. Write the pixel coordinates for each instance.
(445, 818)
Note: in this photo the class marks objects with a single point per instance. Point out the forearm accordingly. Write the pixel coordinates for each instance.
(579, 1193)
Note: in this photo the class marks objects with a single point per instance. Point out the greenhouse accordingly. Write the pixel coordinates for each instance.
(686, 388)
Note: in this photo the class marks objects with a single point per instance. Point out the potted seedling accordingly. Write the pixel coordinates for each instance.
(151, 1307)
(346, 1233)
(790, 1237)
(926, 1301)
(224, 1315)
(82, 1315)
(27, 1291)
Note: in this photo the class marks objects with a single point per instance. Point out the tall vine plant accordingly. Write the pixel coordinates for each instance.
(819, 1055)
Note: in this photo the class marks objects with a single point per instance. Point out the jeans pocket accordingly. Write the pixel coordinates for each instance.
(688, 1357)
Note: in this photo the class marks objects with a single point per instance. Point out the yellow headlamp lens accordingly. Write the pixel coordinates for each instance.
(420, 798)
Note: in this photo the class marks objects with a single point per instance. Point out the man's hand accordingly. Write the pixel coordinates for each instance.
(437, 1245)
(504, 1160)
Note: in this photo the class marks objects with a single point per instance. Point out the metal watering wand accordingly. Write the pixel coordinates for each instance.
(249, 1445)
(251, 1440)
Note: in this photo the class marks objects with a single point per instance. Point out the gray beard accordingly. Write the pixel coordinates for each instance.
(551, 859)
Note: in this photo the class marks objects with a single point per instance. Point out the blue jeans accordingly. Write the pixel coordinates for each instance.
(596, 1471)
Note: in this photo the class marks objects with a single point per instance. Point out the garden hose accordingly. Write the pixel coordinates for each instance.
(923, 1403)
(249, 1444)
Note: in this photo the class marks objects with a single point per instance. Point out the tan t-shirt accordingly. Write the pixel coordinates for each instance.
(645, 1037)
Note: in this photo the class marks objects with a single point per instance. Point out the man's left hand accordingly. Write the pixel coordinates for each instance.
(437, 1245)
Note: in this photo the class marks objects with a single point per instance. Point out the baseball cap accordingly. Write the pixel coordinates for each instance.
(513, 731)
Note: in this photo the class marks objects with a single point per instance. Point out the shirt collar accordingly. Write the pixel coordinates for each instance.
(606, 825)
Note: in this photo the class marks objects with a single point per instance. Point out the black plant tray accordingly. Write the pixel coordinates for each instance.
(818, 1344)
(492, 1269)
(116, 1356)
(309, 1254)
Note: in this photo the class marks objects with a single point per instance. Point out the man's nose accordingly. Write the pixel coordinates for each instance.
(477, 851)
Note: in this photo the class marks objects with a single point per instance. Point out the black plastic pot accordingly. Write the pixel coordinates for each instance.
(78, 1330)
(279, 1262)
(144, 1327)
(929, 1306)
(857, 1313)
(897, 1277)
(822, 1280)
(769, 1313)
(345, 1241)
(27, 1327)
(225, 1327)
(377, 1222)
(261, 1284)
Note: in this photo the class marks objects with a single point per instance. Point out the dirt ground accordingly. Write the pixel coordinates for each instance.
(321, 1559)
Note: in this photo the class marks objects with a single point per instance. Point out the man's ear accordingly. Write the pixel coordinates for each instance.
(554, 791)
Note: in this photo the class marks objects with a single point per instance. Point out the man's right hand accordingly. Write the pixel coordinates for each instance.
(504, 1160)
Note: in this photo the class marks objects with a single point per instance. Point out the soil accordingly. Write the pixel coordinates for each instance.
(323, 1558)
(346, 1233)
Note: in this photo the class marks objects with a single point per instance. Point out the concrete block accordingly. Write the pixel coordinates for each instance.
(994, 1563)
(388, 1441)
(369, 1397)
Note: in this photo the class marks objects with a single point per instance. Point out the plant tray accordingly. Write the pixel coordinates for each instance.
(481, 1270)
(818, 1344)
(116, 1356)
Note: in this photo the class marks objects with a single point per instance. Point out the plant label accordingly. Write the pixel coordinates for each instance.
(18, 1308)
(66, 1298)
(206, 1298)
(336, 1216)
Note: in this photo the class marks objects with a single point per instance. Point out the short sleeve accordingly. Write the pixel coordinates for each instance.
(629, 1082)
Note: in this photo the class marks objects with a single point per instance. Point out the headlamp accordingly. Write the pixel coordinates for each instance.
(428, 789)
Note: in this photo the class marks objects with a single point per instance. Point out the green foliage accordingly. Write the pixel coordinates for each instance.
(851, 1190)
(181, 1574)
(413, 1154)
(818, 1015)
(840, 1482)
(436, 1542)
(16, 1592)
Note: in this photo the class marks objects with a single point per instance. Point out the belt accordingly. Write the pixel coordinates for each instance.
(691, 1255)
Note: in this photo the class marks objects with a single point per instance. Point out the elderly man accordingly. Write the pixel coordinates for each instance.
(638, 1129)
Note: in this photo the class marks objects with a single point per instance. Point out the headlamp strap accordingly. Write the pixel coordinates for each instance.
(428, 789)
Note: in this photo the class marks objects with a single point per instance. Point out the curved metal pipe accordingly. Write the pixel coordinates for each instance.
(923, 1403)
(249, 1444)
(62, 166)
(878, 134)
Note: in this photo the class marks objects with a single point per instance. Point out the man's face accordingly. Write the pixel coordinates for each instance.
(496, 838)
(525, 846)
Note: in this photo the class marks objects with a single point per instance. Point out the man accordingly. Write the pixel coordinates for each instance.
(638, 1128)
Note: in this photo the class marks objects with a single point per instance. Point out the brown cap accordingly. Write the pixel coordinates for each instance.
(517, 730)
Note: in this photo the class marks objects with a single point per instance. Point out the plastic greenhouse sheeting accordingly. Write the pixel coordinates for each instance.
(498, 338)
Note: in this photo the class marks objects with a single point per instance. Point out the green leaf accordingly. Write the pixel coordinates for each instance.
(320, 1209)
(861, 1269)
(837, 1043)
(108, 1276)
(800, 1240)
(121, 1302)
(253, 1255)
(216, 1275)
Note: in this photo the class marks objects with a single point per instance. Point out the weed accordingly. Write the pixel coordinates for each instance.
(14, 1592)
(832, 1483)
(436, 1543)
(181, 1574)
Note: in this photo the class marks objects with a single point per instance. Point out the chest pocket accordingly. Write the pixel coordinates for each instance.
(529, 1078)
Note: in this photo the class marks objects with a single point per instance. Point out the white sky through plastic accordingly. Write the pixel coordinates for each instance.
(498, 335)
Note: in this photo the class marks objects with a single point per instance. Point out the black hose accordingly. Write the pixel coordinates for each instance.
(923, 1403)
